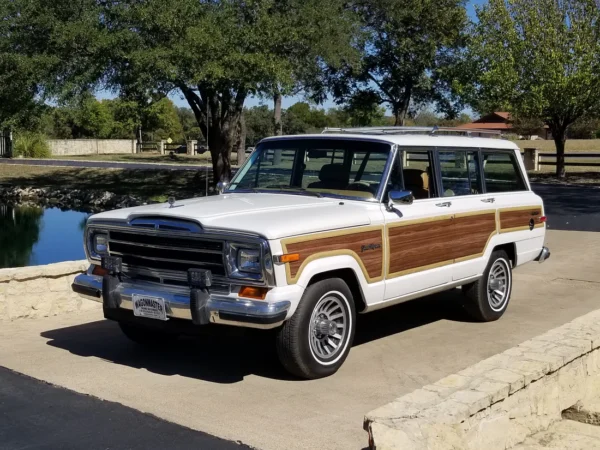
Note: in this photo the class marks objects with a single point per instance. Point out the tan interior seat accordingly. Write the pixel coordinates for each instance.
(417, 181)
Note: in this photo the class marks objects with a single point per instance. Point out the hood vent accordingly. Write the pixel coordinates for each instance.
(165, 224)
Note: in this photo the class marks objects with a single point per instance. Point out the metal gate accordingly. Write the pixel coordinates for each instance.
(5, 144)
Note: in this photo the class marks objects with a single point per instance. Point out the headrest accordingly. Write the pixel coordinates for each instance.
(334, 173)
(416, 177)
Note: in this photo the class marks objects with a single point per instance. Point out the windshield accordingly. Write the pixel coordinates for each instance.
(321, 167)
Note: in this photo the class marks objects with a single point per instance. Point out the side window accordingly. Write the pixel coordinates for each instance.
(501, 172)
(417, 172)
(460, 172)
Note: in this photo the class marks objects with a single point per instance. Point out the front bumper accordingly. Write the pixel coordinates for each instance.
(219, 309)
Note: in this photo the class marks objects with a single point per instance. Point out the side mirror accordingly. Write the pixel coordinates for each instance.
(221, 186)
(399, 198)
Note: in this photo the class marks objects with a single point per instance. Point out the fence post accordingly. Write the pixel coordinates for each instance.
(161, 147)
(191, 145)
(531, 158)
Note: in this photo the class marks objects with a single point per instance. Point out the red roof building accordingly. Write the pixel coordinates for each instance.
(499, 121)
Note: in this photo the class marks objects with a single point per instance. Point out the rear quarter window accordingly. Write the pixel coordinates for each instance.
(502, 172)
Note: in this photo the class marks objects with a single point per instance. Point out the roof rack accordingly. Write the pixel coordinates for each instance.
(432, 131)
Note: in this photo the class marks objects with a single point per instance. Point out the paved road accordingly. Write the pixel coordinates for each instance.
(102, 164)
(574, 208)
(234, 388)
(36, 415)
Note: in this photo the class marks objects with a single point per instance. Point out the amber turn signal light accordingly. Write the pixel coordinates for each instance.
(98, 270)
(257, 293)
(290, 257)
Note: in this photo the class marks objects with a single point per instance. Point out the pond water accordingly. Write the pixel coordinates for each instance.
(33, 236)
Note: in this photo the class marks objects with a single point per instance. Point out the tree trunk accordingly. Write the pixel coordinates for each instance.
(560, 138)
(218, 115)
(241, 141)
(277, 114)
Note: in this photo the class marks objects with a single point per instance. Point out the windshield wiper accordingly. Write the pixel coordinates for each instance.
(285, 188)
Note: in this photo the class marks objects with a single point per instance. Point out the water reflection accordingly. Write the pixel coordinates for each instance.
(31, 235)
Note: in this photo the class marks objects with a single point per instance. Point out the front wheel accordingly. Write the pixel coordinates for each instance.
(487, 298)
(316, 340)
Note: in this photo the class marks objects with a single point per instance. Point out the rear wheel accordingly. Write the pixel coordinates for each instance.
(316, 340)
(487, 298)
(146, 336)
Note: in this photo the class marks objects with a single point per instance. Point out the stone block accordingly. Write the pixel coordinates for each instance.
(65, 268)
(36, 286)
(474, 400)
(554, 362)
(448, 412)
(516, 381)
(490, 433)
(421, 398)
(58, 285)
(63, 303)
(89, 305)
(531, 370)
(496, 389)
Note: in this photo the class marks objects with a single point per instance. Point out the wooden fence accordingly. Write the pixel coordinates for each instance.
(534, 159)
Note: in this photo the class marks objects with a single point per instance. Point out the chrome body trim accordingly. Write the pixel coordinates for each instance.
(419, 294)
(177, 301)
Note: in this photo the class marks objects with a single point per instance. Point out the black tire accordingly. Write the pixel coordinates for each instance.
(147, 336)
(483, 305)
(297, 345)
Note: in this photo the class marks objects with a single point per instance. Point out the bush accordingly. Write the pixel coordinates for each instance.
(31, 145)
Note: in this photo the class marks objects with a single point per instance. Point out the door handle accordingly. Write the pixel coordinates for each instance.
(488, 200)
(444, 205)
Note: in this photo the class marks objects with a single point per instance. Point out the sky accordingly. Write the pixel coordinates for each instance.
(287, 101)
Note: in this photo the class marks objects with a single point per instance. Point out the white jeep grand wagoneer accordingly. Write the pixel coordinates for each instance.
(315, 229)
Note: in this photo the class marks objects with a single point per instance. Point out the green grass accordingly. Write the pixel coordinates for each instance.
(147, 158)
(573, 145)
(147, 184)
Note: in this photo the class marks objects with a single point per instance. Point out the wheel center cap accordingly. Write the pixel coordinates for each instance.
(494, 284)
(326, 327)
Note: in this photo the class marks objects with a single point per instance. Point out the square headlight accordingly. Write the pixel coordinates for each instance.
(248, 260)
(100, 244)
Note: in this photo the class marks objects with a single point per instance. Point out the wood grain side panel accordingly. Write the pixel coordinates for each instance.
(471, 234)
(514, 219)
(367, 246)
(419, 246)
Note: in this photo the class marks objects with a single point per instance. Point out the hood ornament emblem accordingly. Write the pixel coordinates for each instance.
(171, 201)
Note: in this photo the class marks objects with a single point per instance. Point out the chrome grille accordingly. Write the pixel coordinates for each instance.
(159, 252)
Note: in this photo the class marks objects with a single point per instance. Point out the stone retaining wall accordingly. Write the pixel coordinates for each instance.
(63, 147)
(499, 402)
(41, 291)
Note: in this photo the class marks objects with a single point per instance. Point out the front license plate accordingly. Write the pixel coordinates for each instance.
(149, 307)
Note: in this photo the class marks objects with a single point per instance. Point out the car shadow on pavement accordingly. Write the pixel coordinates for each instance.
(226, 355)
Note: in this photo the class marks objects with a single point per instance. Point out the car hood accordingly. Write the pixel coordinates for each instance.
(272, 216)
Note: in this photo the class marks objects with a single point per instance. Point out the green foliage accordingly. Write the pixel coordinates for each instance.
(407, 48)
(540, 59)
(31, 145)
(20, 231)
(162, 117)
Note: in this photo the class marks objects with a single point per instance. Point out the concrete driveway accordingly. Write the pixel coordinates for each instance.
(233, 387)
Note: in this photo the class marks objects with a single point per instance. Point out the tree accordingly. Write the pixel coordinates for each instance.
(406, 47)
(541, 58)
(259, 124)
(217, 54)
